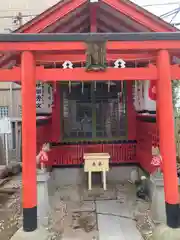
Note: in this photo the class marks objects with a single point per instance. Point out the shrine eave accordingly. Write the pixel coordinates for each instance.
(112, 15)
(85, 37)
(81, 16)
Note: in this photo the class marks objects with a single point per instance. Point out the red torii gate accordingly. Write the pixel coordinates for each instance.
(162, 45)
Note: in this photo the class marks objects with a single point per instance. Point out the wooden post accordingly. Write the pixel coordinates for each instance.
(131, 114)
(93, 16)
(167, 138)
(56, 133)
(28, 77)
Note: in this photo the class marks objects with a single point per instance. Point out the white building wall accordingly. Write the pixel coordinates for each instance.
(9, 10)
(10, 97)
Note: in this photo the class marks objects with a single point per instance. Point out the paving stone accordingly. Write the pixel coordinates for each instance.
(80, 225)
(67, 193)
(98, 193)
(38, 234)
(74, 212)
(163, 232)
(113, 207)
(85, 206)
(117, 228)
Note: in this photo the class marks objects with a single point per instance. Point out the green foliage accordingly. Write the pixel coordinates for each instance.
(176, 95)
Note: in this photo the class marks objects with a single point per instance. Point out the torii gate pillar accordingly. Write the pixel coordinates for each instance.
(28, 79)
(167, 139)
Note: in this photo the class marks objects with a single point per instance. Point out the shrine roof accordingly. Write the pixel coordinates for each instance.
(112, 16)
(77, 16)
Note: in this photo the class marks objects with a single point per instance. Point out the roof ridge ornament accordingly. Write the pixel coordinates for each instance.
(94, 1)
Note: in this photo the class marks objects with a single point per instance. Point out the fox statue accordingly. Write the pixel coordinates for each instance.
(42, 157)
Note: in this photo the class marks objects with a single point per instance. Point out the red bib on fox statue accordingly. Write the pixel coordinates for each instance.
(42, 157)
(152, 90)
(157, 162)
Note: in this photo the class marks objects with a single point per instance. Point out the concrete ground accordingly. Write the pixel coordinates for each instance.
(102, 215)
(10, 206)
(77, 213)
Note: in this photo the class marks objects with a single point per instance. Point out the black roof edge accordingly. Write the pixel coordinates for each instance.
(85, 37)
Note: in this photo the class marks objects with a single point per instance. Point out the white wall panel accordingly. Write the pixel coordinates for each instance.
(9, 9)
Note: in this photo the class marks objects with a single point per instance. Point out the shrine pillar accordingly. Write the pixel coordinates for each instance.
(167, 138)
(56, 114)
(29, 201)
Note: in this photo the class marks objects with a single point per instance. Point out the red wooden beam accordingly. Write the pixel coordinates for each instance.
(56, 118)
(112, 26)
(81, 57)
(175, 72)
(72, 21)
(109, 26)
(103, 29)
(49, 18)
(107, 17)
(79, 74)
(45, 46)
(143, 45)
(78, 26)
(81, 28)
(138, 15)
(117, 46)
(10, 75)
(7, 58)
(111, 74)
(93, 8)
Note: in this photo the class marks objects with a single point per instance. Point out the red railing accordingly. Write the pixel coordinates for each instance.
(73, 154)
(147, 137)
(124, 152)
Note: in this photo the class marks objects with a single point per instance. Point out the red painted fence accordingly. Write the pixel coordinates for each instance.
(73, 154)
(147, 136)
(124, 152)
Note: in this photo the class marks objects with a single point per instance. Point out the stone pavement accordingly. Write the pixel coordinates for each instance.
(163, 232)
(77, 213)
(10, 207)
(81, 214)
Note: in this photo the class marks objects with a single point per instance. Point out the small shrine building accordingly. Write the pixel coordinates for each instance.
(100, 73)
